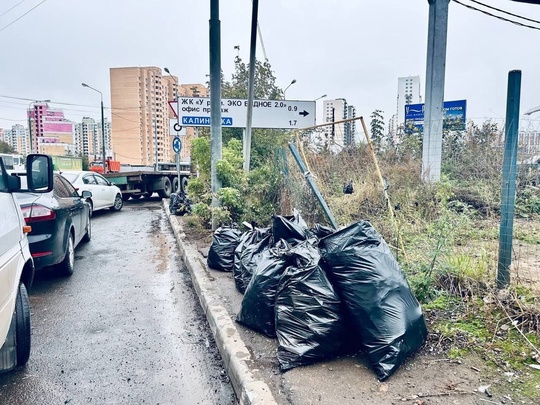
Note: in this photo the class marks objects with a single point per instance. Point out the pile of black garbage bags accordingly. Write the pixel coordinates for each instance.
(322, 292)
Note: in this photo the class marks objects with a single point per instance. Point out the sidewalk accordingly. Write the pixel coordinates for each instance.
(251, 362)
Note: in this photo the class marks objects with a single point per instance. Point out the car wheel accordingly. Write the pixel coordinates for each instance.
(91, 208)
(118, 203)
(88, 235)
(175, 185)
(22, 325)
(66, 267)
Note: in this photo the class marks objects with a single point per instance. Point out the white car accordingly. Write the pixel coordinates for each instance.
(16, 263)
(104, 193)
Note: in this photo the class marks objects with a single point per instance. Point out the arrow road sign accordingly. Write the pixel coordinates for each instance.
(284, 114)
(177, 144)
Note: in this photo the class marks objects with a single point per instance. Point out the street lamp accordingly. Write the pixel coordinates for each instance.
(177, 160)
(102, 127)
(285, 91)
(318, 98)
(30, 122)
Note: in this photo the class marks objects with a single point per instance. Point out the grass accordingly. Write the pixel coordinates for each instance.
(450, 231)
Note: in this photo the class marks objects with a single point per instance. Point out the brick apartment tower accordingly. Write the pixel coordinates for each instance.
(141, 114)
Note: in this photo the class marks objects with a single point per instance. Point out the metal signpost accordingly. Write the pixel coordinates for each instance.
(278, 114)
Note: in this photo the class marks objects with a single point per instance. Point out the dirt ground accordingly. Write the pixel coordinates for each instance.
(428, 378)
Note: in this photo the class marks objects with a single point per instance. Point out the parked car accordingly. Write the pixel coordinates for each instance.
(60, 220)
(16, 264)
(104, 193)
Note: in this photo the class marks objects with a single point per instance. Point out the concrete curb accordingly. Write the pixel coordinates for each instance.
(236, 356)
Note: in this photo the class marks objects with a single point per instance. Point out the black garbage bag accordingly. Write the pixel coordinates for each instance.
(310, 324)
(247, 255)
(258, 305)
(221, 253)
(292, 229)
(180, 204)
(320, 231)
(382, 307)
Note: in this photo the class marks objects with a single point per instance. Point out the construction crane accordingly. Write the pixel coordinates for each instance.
(533, 110)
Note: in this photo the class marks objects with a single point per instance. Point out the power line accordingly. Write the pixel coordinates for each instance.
(5, 12)
(496, 16)
(505, 12)
(14, 21)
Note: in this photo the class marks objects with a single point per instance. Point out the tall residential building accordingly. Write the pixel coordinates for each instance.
(51, 133)
(350, 127)
(342, 134)
(88, 139)
(18, 139)
(141, 113)
(408, 93)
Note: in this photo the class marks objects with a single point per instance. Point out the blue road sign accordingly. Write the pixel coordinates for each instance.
(204, 121)
(177, 144)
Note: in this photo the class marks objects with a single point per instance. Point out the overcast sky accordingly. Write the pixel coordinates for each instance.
(355, 49)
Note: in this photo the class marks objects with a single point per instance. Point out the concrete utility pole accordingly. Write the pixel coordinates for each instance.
(251, 84)
(215, 101)
(435, 73)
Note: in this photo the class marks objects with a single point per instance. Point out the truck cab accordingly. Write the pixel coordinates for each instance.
(16, 264)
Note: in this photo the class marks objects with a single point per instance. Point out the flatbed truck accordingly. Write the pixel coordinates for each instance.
(142, 181)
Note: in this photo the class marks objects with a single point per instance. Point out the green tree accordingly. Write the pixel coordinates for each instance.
(253, 196)
(6, 147)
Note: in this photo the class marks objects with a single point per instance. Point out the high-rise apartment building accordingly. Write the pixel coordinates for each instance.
(18, 139)
(342, 134)
(408, 93)
(140, 119)
(50, 132)
(88, 139)
(141, 114)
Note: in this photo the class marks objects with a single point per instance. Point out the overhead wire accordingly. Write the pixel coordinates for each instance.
(504, 11)
(17, 19)
(496, 16)
(7, 11)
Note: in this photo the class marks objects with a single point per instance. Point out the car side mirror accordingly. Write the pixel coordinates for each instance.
(39, 173)
(86, 194)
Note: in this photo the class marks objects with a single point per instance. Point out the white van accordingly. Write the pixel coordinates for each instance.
(16, 264)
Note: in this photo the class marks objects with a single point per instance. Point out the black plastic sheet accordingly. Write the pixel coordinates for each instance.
(292, 229)
(247, 255)
(221, 253)
(382, 308)
(310, 325)
(258, 305)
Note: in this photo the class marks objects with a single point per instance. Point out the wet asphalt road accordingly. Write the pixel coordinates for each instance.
(126, 328)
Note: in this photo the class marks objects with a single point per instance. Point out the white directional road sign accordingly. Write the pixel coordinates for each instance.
(195, 112)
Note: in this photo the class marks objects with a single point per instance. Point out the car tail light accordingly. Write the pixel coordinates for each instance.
(36, 213)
